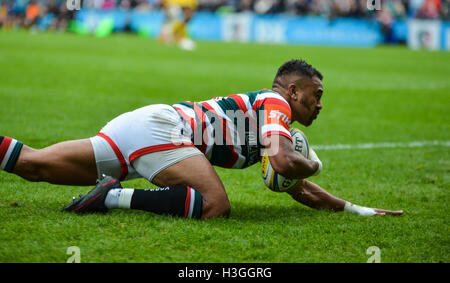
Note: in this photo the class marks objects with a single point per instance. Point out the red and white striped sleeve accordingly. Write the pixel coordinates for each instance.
(277, 116)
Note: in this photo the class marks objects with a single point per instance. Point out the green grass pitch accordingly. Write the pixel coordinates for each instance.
(56, 87)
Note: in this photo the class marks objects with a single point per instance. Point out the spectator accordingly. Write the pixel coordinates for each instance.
(31, 14)
(384, 16)
(245, 6)
(429, 10)
(108, 4)
(445, 10)
(3, 14)
(300, 7)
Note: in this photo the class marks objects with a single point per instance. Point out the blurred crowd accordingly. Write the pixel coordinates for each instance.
(26, 13)
(336, 8)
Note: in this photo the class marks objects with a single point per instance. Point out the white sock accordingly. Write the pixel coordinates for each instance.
(119, 198)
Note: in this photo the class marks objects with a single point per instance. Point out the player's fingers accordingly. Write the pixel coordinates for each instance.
(397, 212)
(390, 212)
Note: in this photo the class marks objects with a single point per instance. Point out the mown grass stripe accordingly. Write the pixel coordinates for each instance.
(382, 145)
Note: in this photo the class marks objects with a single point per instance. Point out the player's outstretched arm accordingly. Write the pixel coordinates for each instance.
(315, 197)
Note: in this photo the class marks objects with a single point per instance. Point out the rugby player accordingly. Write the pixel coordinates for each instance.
(176, 146)
(178, 13)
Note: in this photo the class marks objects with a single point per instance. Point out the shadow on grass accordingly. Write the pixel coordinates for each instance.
(264, 212)
(243, 212)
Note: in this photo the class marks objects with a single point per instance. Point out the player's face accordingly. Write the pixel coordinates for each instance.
(307, 104)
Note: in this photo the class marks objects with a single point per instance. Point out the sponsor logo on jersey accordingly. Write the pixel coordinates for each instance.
(275, 114)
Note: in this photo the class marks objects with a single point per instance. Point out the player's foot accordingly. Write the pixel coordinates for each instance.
(94, 201)
(187, 44)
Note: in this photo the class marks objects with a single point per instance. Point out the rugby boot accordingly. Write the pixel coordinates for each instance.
(94, 201)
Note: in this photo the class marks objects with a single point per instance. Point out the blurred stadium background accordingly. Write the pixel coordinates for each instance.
(418, 23)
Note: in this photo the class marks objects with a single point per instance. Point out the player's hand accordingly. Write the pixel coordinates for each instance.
(387, 212)
(313, 156)
(368, 211)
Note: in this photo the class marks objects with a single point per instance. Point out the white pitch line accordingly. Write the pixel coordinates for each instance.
(381, 145)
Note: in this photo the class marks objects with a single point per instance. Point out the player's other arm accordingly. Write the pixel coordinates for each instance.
(286, 161)
(314, 196)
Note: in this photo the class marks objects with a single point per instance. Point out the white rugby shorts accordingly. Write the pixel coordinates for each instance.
(142, 143)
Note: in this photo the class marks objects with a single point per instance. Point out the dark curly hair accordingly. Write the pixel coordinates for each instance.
(299, 67)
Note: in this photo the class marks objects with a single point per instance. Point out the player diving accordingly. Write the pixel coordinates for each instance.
(176, 146)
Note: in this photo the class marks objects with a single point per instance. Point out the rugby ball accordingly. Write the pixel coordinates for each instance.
(272, 179)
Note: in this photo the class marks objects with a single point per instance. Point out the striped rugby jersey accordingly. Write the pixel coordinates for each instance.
(229, 130)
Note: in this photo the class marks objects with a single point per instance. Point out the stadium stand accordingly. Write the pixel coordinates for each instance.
(55, 15)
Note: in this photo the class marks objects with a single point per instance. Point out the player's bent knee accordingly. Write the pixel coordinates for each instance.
(216, 208)
(225, 210)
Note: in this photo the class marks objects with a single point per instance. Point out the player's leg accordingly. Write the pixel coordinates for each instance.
(166, 33)
(197, 172)
(189, 187)
(65, 163)
(183, 165)
(157, 145)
